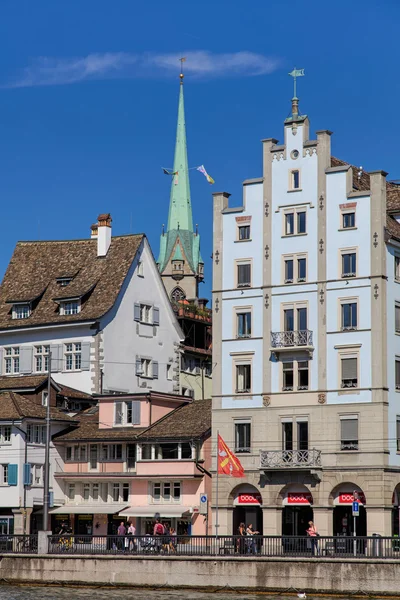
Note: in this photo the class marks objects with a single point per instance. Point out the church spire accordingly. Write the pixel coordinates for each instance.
(180, 206)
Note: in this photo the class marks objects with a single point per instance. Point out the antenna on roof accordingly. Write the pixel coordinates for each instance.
(359, 173)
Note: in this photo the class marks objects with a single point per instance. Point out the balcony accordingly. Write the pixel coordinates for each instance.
(282, 341)
(271, 460)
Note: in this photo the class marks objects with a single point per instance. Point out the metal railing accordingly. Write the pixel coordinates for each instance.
(290, 339)
(281, 459)
(240, 546)
(18, 544)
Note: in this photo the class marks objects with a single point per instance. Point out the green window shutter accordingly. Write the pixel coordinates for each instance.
(12, 474)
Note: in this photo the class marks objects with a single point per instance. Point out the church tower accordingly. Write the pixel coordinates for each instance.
(179, 261)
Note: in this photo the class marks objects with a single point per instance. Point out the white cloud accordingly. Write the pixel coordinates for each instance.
(200, 63)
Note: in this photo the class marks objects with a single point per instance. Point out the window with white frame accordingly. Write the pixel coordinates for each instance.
(146, 367)
(21, 311)
(127, 412)
(295, 268)
(166, 492)
(243, 324)
(71, 307)
(397, 268)
(173, 451)
(11, 360)
(86, 492)
(244, 232)
(348, 309)
(349, 263)
(111, 452)
(5, 434)
(73, 356)
(71, 491)
(37, 474)
(36, 434)
(120, 492)
(243, 274)
(295, 179)
(348, 219)
(349, 432)
(243, 378)
(295, 221)
(397, 317)
(169, 372)
(288, 376)
(349, 370)
(41, 358)
(145, 313)
(295, 375)
(397, 373)
(4, 474)
(95, 492)
(242, 436)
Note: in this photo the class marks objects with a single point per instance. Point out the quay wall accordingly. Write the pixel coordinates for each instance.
(329, 575)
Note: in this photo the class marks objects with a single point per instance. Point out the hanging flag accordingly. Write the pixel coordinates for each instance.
(228, 463)
(206, 175)
(169, 171)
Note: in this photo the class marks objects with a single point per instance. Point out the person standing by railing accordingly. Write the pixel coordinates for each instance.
(251, 544)
(314, 535)
(241, 540)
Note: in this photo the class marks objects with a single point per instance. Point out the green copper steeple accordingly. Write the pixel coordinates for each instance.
(180, 261)
(180, 207)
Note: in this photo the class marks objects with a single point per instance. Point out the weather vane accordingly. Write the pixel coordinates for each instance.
(182, 60)
(296, 73)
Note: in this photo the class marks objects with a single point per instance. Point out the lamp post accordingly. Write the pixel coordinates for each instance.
(46, 486)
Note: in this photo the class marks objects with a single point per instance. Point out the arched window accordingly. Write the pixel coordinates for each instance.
(178, 294)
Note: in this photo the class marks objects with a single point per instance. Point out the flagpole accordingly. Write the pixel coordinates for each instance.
(216, 498)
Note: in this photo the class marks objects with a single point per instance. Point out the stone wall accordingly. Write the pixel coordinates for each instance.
(325, 575)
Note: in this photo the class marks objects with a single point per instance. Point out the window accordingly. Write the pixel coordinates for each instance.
(4, 474)
(295, 319)
(287, 370)
(95, 491)
(295, 221)
(349, 220)
(125, 492)
(11, 360)
(295, 180)
(86, 491)
(398, 434)
(36, 434)
(21, 311)
(242, 437)
(127, 413)
(64, 281)
(169, 372)
(244, 232)
(349, 368)
(111, 452)
(68, 453)
(41, 359)
(172, 451)
(349, 264)
(146, 367)
(397, 373)
(302, 375)
(5, 434)
(140, 270)
(349, 432)
(349, 316)
(115, 492)
(73, 356)
(71, 491)
(289, 223)
(243, 378)
(301, 222)
(243, 324)
(289, 270)
(186, 450)
(45, 395)
(145, 313)
(244, 274)
(397, 268)
(301, 269)
(72, 307)
(165, 492)
(397, 317)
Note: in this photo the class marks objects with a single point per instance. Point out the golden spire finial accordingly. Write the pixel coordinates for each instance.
(182, 60)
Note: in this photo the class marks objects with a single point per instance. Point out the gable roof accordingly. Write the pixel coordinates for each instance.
(190, 421)
(24, 382)
(14, 406)
(362, 183)
(34, 268)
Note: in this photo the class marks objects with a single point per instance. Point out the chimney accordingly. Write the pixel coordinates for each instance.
(93, 231)
(103, 234)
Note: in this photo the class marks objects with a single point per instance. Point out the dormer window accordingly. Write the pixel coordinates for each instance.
(63, 281)
(21, 311)
(71, 307)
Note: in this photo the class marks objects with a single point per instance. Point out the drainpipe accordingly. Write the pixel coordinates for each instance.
(25, 461)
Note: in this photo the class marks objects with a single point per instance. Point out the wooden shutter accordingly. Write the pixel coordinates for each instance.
(25, 360)
(56, 358)
(349, 429)
(27, 474)
(85, 358)
(156, 315)
(349, 368)
(12, 474)
(135, 412)
(155, 369)
(136, 312)
(138, 366)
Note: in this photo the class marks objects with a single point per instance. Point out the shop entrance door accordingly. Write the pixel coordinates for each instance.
(295, 520)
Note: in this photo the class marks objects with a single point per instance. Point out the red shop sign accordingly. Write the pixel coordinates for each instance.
(249, 498)
(349, 498)
(299, 498)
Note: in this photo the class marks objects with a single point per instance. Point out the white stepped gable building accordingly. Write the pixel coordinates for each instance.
(306, 324)
(98, 306)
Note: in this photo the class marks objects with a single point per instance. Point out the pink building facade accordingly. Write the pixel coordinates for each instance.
(137, 456)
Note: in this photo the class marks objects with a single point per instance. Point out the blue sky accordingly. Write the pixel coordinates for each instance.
(89, 93)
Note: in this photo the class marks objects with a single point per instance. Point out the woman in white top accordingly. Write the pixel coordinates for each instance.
(251, 545)
(131, 534)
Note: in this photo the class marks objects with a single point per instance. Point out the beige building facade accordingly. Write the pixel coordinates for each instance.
(306, 351)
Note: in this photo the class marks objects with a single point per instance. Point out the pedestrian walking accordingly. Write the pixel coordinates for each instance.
(121, 534)
(314, 535)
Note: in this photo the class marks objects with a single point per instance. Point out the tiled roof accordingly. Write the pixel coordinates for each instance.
(89, 429)
(190, 421)
(15, 406)
(22, 382)
(362, 183)
(70, 392)
(34, 267)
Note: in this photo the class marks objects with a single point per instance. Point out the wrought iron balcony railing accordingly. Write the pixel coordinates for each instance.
(283, 459)
(290, 339)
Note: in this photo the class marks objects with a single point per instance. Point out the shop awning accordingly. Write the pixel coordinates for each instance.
(150, 511)
(88, 509)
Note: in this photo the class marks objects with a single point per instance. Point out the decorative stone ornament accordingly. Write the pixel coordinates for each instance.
(266, 400)
(321, 398)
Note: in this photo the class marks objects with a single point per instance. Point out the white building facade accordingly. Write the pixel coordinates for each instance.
(305, 340)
